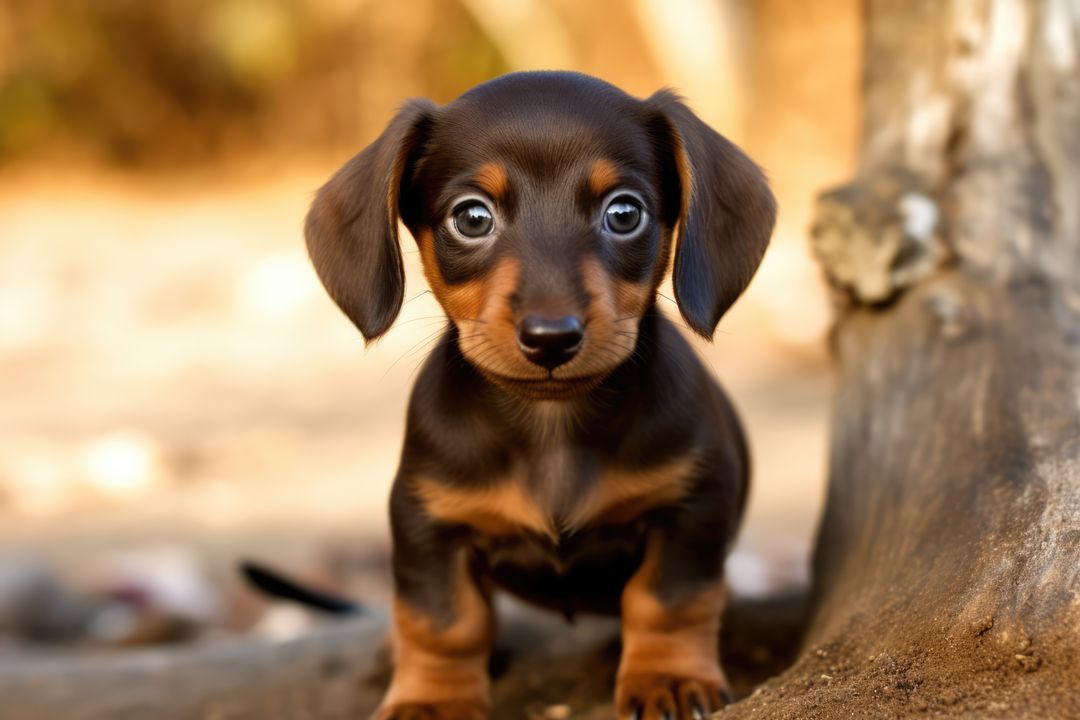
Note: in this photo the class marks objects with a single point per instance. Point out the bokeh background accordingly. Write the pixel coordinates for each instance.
(176, 390)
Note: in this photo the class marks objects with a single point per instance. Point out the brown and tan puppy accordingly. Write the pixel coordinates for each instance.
(564, 443)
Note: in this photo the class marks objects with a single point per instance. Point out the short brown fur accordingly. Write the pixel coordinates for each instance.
(603, 177)
(503, 508)
(491, 177)
(623, 494)
(443, 663)
(461, 302)
(506, 507)
(676, 640)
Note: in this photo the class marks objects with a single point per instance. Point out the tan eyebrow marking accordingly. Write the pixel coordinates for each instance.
(603, 176)
(491, 178)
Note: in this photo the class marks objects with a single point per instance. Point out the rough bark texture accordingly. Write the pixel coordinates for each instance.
(948, 563)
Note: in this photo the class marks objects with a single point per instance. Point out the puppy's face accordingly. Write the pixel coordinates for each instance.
(544, 206)
(544, 227)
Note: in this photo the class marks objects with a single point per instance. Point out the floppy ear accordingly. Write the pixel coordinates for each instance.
(351, 228)
(724, 208)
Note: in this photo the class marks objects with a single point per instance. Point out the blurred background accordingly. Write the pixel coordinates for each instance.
(177, 391)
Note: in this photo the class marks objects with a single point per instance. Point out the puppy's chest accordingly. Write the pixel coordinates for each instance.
(557, 490)
(581, 572)
(556, 481)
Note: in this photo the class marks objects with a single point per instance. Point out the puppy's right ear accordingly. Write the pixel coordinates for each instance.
(351, 229)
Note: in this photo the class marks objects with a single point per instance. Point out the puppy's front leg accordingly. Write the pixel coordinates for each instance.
(443, 623)
(670, 668)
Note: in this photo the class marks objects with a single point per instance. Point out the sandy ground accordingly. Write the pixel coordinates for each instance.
(173, 375)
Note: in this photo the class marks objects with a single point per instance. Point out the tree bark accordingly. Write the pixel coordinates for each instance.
(947, 570)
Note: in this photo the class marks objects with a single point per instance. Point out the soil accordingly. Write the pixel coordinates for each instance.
(982, 671)
(544, 669)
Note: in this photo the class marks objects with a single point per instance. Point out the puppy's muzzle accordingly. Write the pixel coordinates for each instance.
(550, 341)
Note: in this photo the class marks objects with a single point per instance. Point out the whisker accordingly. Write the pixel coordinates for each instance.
(414, 297)
(427, 339)
(474, 320)
(423, 358)
(418, 319)
(484, 352)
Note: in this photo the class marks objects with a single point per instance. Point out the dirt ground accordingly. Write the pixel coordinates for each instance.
(982, 671)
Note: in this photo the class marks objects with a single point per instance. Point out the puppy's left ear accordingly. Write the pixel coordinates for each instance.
(723, 206)
(351, 229)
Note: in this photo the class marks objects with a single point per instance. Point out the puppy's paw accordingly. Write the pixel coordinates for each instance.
(455, 710)
(648, 696)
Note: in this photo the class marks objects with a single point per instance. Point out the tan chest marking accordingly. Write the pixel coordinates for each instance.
(508, 507)
(502, 508)
(621, 495)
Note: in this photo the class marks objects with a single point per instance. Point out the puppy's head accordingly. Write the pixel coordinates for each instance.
(545, 206)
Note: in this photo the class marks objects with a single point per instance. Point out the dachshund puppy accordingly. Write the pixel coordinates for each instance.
(564, 443)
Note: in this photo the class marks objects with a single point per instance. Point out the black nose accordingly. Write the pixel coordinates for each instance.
(549, 341)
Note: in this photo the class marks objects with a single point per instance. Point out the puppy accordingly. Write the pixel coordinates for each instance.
(563, 441)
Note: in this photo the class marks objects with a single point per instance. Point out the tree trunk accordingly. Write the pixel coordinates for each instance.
(947, 571)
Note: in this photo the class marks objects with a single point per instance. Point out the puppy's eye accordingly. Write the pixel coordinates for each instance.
(473, 219)
(623, 215)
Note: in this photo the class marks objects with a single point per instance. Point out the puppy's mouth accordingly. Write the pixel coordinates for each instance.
(549, 388)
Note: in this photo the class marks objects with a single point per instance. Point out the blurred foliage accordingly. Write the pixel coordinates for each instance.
(143, 83)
